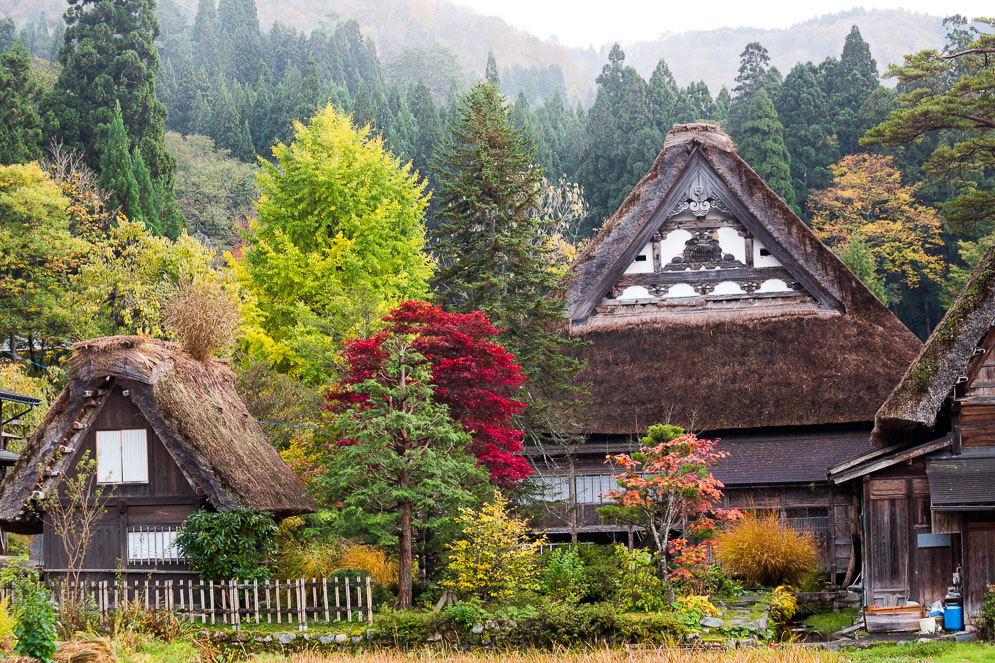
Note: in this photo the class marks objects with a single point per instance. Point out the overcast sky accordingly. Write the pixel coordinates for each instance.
(587, 22)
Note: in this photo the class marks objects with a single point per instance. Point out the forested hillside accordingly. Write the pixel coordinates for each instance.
(228, 86)
(452, 42)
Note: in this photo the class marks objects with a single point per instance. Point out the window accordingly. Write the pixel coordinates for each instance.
(151, 545)
(591, 488)
(122, 456)
(553, 489)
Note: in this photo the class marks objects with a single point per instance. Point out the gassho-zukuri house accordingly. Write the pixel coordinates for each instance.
(169, 434)
(927, 488)
(708, 304)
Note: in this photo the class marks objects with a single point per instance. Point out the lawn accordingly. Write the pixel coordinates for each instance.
(184, 651)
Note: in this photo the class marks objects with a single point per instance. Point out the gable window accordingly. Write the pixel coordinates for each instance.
(122, 456)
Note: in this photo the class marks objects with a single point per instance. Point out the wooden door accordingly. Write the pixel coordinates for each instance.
(888, 542)
(979, 564)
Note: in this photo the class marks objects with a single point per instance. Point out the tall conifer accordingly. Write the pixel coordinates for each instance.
(117, 173)
(492, 248)
(762, 146)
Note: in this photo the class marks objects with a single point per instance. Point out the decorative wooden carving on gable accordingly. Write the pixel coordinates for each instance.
(702, 250)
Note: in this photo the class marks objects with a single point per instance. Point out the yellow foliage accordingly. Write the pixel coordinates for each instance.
(699, 604)
(495, 557)
(763, 551)
(7, 621)
(868, 200)
(381, 567)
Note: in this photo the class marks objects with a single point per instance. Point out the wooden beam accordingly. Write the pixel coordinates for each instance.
(706, 276)
(908, 454)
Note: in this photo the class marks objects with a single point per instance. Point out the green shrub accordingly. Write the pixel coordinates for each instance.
(563, 576)
(405, 628)
(37, 618)
(560, 623)
(601, 572)
(228, 545)
(638, 586)
(658, 627)
(986, 618)
(465, 614)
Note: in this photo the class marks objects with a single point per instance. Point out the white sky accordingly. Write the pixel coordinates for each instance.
(595, 22)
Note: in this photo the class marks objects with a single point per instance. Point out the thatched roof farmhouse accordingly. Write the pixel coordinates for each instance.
(708, 304)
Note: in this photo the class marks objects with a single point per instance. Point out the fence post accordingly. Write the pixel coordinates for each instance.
(348, 601)
(269, 605)
(338, 603)
(369, 601)
(324, 594)
(279, 611)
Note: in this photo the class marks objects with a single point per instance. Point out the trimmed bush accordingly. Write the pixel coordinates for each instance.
(763, 551)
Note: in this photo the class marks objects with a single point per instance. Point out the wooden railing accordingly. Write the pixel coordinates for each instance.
(236, 602)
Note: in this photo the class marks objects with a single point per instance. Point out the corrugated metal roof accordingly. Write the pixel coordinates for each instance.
(785, 460)
(961, 481)
(18, 398)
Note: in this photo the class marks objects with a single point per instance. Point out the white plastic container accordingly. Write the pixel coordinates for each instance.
(927, 625)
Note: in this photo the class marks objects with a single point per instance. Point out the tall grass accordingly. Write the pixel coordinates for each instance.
(758, 655)
(762, 550)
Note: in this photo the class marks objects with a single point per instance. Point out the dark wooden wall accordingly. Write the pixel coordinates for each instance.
(166, 500)
(897, 510)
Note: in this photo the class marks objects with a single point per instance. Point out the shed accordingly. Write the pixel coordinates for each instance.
(928, 489)
(169, 435)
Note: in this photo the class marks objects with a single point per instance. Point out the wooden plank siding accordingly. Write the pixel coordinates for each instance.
(165, 500)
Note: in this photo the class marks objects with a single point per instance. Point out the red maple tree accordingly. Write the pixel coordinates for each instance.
(471, 374)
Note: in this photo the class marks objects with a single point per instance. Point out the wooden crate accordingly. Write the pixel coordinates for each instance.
(896, 619)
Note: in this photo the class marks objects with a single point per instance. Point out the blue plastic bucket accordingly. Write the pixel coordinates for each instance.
(953, 618)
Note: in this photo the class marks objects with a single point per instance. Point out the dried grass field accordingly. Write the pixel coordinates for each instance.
(784, 655)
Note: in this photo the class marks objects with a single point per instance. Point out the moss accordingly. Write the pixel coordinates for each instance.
(828, 623)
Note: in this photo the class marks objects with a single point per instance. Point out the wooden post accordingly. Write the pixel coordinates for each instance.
(224, 600)
(269, 606)
(324, 594)
(146, 595)
(255, 597)
(279, 612)
(203, 605)
(369, 601)
(290, 606)
(338, 604)
(314, 597)
(348, 601)
(211, 585)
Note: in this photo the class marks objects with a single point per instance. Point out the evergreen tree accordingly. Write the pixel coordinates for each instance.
(429, 125)
(492, 249)
(117, 173)
(694, 104)
(755, 73)
(722, 102)
(8, 33)
(108, 55)
(762, 146)
(662, 94)
(228, 129)
(206, 32)
(240, 41)
(853, 79)
(20, 126)
(803, 108)
(617, 150)
(147, 194)
(491, 71)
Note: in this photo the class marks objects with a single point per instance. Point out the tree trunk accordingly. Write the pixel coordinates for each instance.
(404, 558)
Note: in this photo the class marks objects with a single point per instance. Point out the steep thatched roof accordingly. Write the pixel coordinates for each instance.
(193, 409)
(833, 360)
(915, 404)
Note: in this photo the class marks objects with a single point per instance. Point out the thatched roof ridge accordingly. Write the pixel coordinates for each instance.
(915, 404)
(194, 410)
(787, 366)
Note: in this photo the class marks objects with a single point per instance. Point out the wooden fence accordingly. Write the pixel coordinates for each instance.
(236, 602)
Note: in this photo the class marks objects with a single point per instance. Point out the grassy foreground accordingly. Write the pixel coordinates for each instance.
(184, 651)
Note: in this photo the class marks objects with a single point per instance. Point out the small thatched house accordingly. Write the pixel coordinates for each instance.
(169, 434)
(709, 304)
(927, 489)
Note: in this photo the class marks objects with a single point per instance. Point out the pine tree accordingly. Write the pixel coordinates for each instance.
(694, 104)
(616, 147)
(852, 80)
(755, 73)
(429, 125)
(662, 94)
(20, 125)
(491, 71)
(147, 194)
(117, 173)
(491, 247)
(108, 54)
(762, 146)
(804, 112)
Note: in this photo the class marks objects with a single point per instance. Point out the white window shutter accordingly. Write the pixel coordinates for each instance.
(134, 456)
(108, 456)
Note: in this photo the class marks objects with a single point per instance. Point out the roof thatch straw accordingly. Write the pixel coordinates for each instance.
(193, 409)
(913, 409)
(738, 368)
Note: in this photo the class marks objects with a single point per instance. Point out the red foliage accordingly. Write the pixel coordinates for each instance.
(471, 374)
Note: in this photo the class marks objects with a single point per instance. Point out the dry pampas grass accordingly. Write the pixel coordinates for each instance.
(204, 317)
